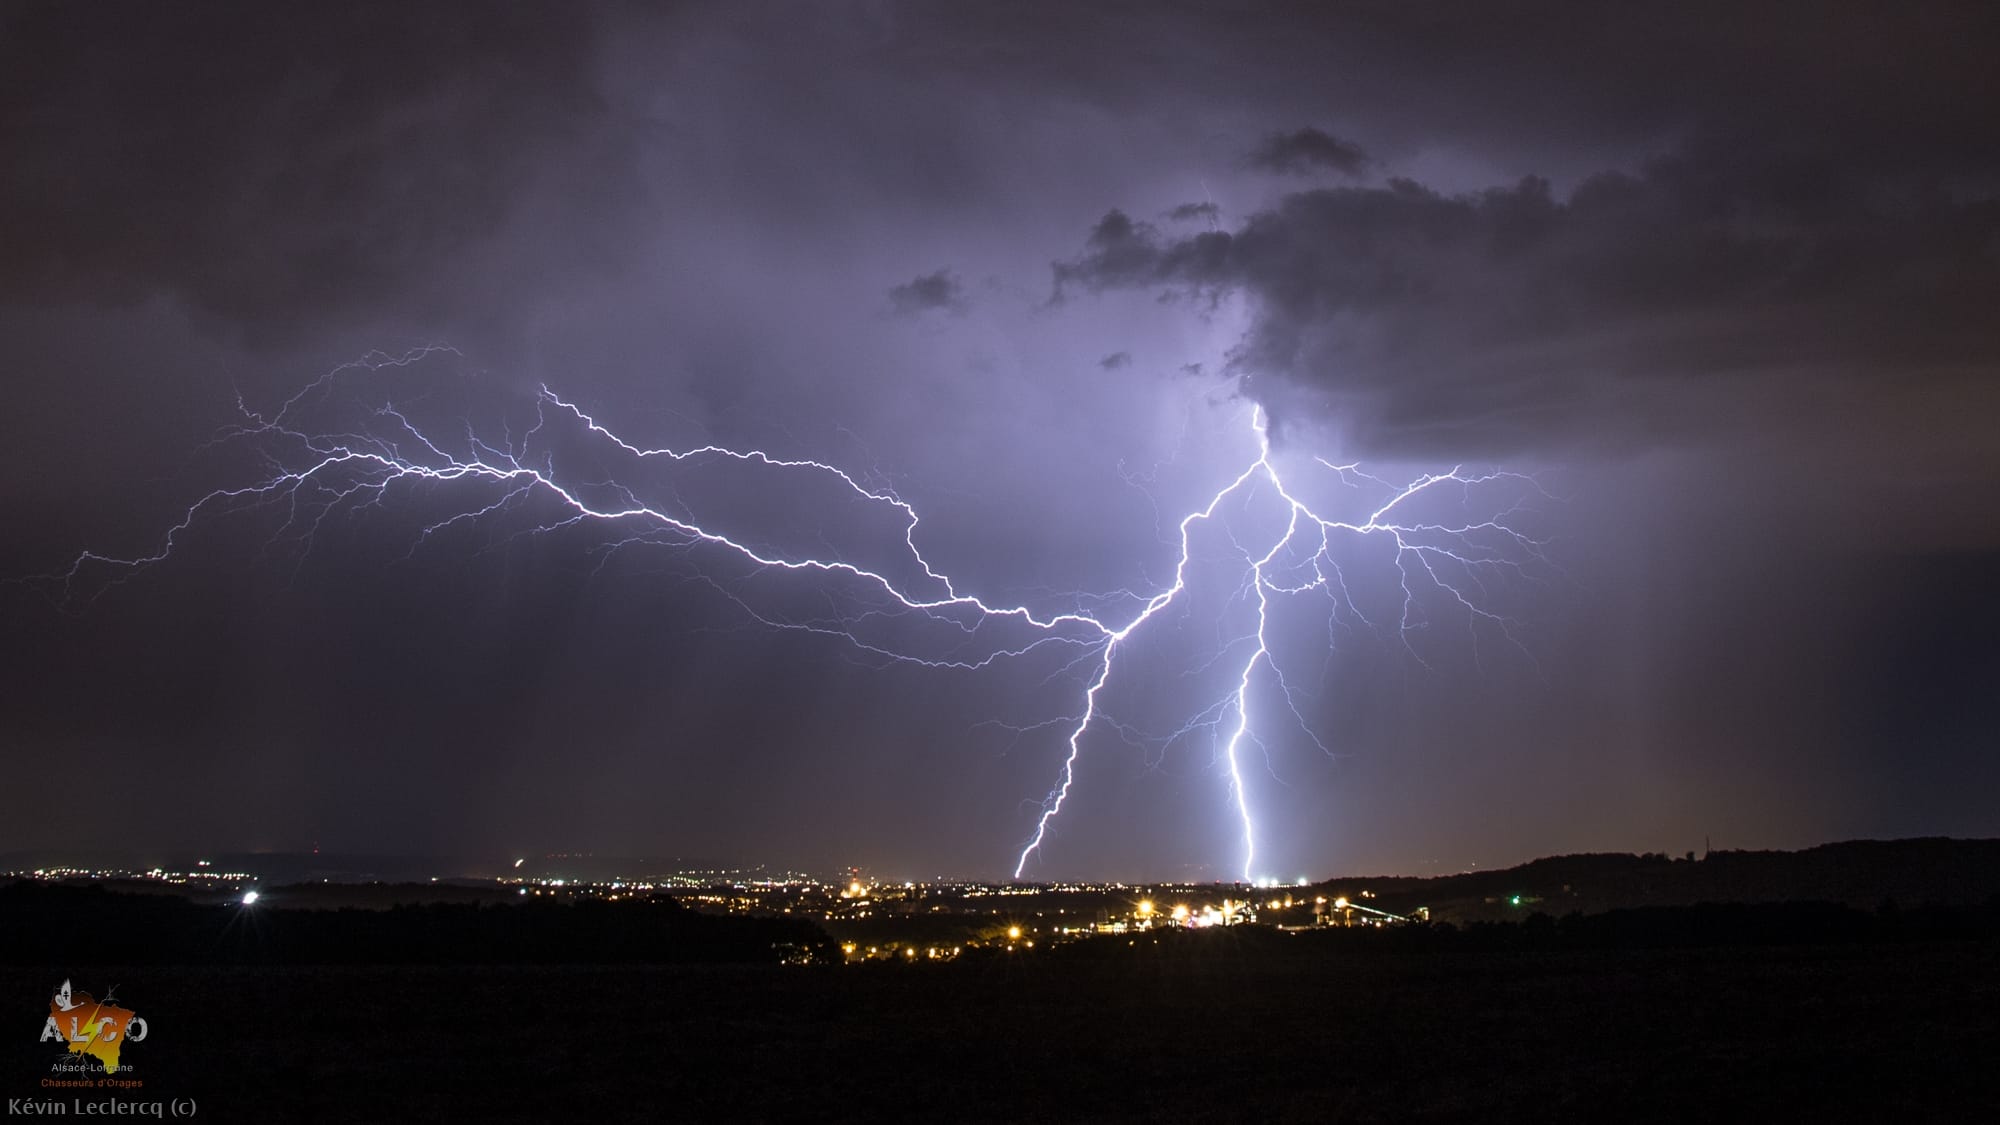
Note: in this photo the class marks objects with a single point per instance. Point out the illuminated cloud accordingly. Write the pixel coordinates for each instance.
(1730, 299)
(939, 290)
(1305, 151)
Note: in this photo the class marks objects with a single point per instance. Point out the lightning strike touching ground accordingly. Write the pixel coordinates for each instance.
(343, 446)
(1424, 545)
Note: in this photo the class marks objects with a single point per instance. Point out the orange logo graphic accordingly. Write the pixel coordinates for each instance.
(96, 1028)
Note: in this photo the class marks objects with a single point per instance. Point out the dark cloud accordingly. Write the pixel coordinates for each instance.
(269, 164)
(1118, 252)
(1305, 151)
(1726, 268)
(1499, 318)
(939, 290)
(1546, 81)
(1115, 360)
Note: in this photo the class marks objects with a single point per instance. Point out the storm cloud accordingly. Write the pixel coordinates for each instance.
(256, 163)
(1511, 318)
(1305, 151)
(1721, 276)
(938, 290)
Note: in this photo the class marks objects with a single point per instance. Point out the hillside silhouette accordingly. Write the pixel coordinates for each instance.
(1858, 873)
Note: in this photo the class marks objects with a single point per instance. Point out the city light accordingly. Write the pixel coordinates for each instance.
(1033, 916)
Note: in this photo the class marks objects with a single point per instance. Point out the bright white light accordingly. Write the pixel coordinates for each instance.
(249, 898)
(1448, 560)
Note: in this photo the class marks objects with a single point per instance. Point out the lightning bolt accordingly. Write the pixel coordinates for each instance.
(328, 452)
(1427, 552)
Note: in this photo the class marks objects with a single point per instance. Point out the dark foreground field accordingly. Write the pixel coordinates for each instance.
(1902, 1032)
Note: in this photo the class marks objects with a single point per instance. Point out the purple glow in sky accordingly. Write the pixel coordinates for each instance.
(1037, 274)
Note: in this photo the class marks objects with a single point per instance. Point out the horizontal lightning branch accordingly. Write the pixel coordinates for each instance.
(329, 449)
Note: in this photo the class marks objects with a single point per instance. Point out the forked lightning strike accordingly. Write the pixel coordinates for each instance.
(382, 452)
(1423, 545)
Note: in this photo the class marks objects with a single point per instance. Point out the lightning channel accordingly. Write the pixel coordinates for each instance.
(332, 450)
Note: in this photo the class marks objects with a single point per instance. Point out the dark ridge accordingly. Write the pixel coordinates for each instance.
(67, 924)
(1858, 873)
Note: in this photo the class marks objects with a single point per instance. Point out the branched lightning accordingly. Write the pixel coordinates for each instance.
(523, 481)
(1422, 546)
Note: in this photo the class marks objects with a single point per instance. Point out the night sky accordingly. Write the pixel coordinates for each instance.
(1723, 279)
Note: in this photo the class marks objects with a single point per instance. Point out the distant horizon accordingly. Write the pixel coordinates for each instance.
(415, 867)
